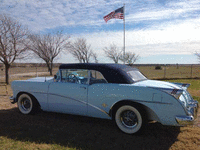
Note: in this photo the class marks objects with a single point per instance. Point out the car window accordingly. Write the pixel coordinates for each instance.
(136, 75)
(78, 76)
(57, 76)
(96, 77)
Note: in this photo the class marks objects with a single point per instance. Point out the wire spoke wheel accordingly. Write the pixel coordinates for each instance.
(27, 104)
(128, 119)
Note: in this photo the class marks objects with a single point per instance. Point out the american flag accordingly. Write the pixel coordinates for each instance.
(117, 14)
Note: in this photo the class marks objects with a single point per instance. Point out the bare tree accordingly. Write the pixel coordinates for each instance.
(112, 52)
(47, 47)
(12, 36)
(82, 51)
(94, 55)
(198, 55)
(129, 58)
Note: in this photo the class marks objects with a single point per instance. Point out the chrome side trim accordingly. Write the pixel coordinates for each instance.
(99, 109)
(66, 97)
(83, 102)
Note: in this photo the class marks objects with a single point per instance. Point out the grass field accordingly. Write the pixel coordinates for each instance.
(60, 131)
(171, 71)
(194, 88)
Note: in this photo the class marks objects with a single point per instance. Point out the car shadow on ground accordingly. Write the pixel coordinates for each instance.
(81, 132)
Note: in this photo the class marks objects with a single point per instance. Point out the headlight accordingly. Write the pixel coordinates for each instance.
(174, 92)
(183, 100)
(178, 94)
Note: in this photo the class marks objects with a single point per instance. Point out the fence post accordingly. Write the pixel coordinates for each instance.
(165, 71)
(177, 67)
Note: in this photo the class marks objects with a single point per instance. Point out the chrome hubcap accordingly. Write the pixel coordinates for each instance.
(129, 119)
(26, 104)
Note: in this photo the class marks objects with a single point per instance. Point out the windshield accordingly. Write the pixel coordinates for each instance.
(136, 75)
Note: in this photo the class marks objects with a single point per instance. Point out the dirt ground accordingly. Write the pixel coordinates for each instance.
(90, 133)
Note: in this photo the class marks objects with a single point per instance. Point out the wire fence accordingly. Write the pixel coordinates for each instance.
(153, 71)
(170, 71)
(150, 71)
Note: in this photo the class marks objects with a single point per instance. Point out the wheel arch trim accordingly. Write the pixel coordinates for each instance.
(31, 95)
(148, 111)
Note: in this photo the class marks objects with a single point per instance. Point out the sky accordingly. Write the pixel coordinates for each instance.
(159, 31)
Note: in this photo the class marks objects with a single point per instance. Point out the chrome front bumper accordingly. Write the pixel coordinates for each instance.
(192, 111)
(12, 99)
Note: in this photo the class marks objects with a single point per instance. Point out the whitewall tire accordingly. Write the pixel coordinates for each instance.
(26, 104)
(128, 119)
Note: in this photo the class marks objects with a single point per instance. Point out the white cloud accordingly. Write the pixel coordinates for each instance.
(171, 28)
(183, 38)
(173, 10)
(51, 13)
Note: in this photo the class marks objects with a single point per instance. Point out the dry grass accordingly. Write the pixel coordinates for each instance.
(60, 131)
(171, 72)
(194, 88)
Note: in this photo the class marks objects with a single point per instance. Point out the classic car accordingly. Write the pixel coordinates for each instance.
(109, 91)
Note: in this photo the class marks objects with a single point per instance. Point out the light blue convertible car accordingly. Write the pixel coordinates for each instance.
(109, 91)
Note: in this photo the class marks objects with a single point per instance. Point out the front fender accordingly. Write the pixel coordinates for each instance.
(38, 89)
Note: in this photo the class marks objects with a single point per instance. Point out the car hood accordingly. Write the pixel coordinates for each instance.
(158, 84)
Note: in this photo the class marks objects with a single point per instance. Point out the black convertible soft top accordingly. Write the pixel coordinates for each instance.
(114, 73)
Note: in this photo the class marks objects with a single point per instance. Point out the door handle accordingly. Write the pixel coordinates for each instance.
(83, 87)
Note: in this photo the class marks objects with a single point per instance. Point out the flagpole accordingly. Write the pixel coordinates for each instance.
(124, 33)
